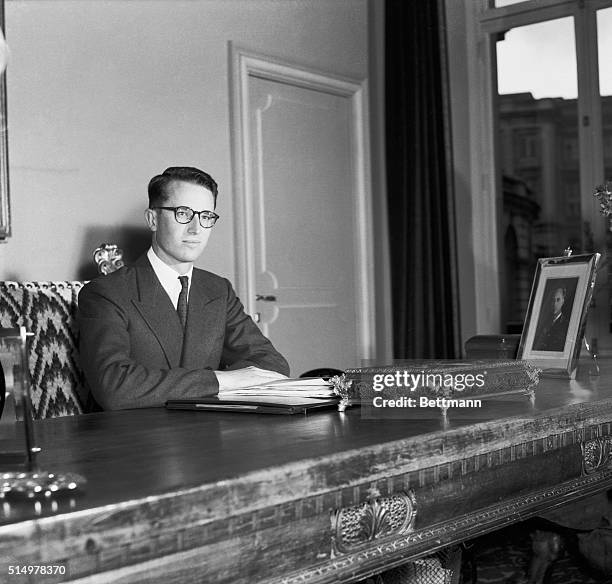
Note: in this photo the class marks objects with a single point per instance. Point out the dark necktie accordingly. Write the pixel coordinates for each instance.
(181, 306)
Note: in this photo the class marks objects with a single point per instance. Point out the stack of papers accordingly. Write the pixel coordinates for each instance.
(283, 396)
(300, 387)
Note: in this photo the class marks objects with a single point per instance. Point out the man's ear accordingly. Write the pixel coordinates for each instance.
(151, 219)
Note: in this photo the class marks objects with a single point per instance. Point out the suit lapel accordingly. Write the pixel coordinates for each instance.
(157, 310)
(204, 323)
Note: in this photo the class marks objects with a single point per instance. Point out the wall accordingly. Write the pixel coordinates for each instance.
(104, 94)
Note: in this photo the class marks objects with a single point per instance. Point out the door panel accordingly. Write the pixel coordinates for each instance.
(304, 223)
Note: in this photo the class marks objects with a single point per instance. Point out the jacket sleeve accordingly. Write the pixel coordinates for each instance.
(244, 344)
(115, 379)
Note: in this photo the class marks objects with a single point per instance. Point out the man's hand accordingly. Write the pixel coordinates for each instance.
(246, 377)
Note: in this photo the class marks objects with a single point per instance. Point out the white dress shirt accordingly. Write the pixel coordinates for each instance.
(168, 277)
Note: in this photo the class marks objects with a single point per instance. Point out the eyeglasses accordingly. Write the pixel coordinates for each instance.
(185, 215)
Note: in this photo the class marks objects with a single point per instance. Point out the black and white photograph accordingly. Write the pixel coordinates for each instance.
(561, 295)
(305, 291)
(554, 314)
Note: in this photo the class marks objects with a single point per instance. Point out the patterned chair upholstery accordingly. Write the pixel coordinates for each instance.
(48, 310)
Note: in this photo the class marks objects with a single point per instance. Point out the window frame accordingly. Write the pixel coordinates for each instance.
(483, 23)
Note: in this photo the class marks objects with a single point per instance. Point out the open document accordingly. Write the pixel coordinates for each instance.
(299, 387)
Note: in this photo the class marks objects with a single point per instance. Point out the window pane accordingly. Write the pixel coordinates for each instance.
(539, 58)
(604, 46)
(500, 3)
(538, 155)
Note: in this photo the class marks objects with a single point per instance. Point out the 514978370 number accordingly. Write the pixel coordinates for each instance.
(42, 569)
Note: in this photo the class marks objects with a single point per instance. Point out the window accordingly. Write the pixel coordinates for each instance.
(570, 149)
(526, 147)
(604, 46)
(572, 201)
(545, 78)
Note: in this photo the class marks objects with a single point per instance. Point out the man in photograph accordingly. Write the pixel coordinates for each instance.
(553, 331)
(162, 329)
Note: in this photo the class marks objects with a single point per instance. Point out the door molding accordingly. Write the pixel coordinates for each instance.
(245, 64)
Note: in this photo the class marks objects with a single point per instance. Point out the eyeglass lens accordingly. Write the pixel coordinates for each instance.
(185, 215)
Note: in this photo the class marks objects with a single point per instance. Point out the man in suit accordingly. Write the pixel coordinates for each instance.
(552, 334)
(162, 329)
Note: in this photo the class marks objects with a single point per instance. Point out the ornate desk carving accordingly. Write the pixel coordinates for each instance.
(596, 454)
(379, 517)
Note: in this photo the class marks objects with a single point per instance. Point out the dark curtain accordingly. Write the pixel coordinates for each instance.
(420, 186)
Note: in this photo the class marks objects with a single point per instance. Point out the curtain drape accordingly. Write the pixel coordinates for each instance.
(419, 180)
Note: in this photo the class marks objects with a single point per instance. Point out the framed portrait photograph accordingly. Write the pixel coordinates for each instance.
(556, 315)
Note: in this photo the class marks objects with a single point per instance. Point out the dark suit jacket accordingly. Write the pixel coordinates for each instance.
(552, 337)
(132, 350)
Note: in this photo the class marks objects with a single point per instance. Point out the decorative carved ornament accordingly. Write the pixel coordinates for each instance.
(108, 258)
(377, 518)
(596, 454)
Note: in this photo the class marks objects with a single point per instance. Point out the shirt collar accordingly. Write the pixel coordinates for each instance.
(167, 276)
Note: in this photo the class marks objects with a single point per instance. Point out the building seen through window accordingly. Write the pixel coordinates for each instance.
(539, 163)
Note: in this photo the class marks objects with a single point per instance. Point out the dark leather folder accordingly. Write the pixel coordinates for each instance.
(255, 404)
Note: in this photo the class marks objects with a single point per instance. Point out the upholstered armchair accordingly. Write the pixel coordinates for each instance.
(48, 311)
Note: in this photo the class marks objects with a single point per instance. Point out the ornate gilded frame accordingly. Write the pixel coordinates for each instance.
(551, 274)
(5, 209)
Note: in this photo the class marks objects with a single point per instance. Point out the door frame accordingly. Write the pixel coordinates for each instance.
(245, 64)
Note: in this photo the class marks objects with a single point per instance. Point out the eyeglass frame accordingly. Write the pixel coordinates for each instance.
(209, 215)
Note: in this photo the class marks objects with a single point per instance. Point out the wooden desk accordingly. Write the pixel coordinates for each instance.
(178, 496)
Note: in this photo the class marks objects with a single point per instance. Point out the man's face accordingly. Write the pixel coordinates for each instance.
(558, 301)
(177, 244)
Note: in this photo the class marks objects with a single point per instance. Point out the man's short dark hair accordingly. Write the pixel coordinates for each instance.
(158, 185)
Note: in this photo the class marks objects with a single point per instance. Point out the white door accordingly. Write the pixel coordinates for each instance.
(305, 214)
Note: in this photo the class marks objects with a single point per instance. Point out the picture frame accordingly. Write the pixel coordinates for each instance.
(556, 316)
(5, 209)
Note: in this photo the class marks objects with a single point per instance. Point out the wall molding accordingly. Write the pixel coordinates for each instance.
(245, 64)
